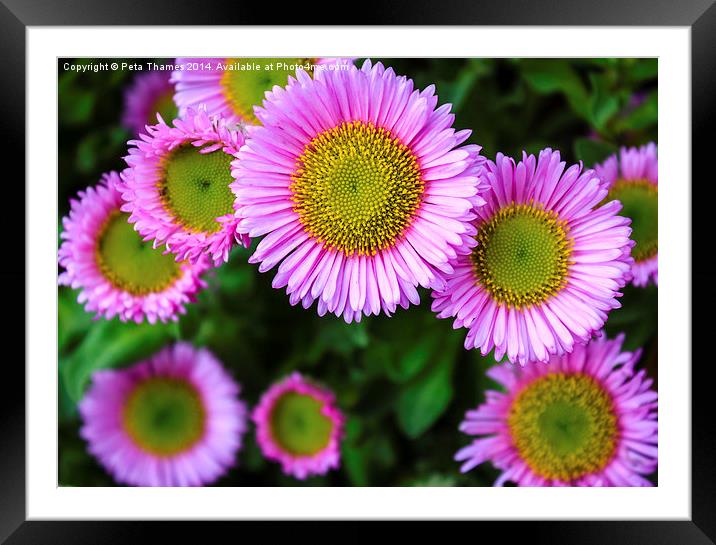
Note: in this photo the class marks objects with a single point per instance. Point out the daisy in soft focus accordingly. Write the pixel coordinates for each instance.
(149, 94)
(299, 425)
(177, 186)
(232, 87)
(633, 179)
(119, 274)
(172, 420)
(586, 419)
(362, 189)
(548, 264)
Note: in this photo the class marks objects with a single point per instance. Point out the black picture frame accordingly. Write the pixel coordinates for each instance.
(17, 15)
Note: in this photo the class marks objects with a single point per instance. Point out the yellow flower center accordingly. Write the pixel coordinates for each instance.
(522, 255)
(356, 188)
(164, 416)
(195, 187)
(248, 79)
(129, 263)
(564, 426)
(640, 202)
(299, 425)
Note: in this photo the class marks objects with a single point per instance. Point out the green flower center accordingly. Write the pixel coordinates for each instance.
(298, 424)
(164, 105)
(195, 187)
(356, 188)
(164, 416)
(129, 263)
(564, 426)
(522, 255)
(640, 201)
(246, 84)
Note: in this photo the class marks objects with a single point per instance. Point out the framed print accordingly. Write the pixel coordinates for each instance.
(362, 272)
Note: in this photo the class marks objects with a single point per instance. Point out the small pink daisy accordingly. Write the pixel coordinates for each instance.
(117, 273)
(177, 186)
(548, 264)
(172, 420)
(232, 87)
(585, 419)
(633, 180)
(149, 94)
(299, 425)
(362, 189)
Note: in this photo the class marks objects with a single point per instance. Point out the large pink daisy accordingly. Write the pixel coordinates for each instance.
(172, 420)
(586, 419)
(548, 265)
(361, 187)
(633, 179)
(116, 272)
(299, 425)
(233, 86)
(177, 186)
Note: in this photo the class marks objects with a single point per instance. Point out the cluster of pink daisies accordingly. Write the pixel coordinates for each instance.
(361, 192)
(176, 420)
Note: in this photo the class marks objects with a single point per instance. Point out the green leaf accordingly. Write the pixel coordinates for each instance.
(98, 147)
(435, 479)
(72, 319)
(643, 116)
(423, 400)
(76, 105)
(457, 90)
(604, 103)
(644, 69)
(354, 455)
(235, 280)
(604, 61)
(336, 336)
(557, 76)
(591, 152)
(355, 465)
(75, 465)
(66, 407)
(411, 361)
(382, 451)
(251, 457)
(110, 344)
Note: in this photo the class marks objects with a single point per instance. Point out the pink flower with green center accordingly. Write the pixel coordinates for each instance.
(548, 264)
(233, 86)
(149, 94)
(172, 420)
(586, 419)
(299, 425)
(362, 189)
(117, 273)
(633, 180)
(176, 188)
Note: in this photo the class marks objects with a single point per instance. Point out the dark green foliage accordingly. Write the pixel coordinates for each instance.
(404, 382)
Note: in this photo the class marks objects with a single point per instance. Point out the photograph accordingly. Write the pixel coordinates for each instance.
(358, 272)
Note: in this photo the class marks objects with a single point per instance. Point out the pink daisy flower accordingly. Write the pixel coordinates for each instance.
(633, 179)
(232, 87)
(299, 425)
(548, 262)
(172, 420)
(361, 187)
(117, 273)
(149, 94)
(177, 186)
(586, 419)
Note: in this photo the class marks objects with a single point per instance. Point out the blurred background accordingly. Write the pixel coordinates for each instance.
(404, 382)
